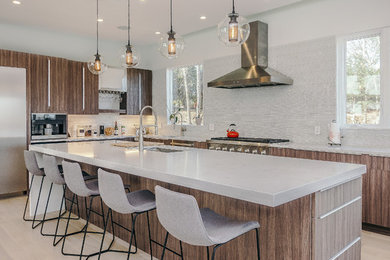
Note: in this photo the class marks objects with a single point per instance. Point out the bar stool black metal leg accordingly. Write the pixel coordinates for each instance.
(36, 207)
(104, 232)
(208, 253)
(181, 251)
(165, 246)
(55, 242)
(215, 250)
(47, 204)
(258, 244)
(132, 235)
(86, 226)
(67, 225)
(28, 197)
(150, 236)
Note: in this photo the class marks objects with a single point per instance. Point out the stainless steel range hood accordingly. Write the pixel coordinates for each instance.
(254, 71)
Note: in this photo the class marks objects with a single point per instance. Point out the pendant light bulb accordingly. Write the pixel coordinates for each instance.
(96, 66)
(171, 43)
(172, 46)
(128, 56)
(234, 30)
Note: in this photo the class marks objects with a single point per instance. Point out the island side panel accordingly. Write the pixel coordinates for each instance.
(285, 231)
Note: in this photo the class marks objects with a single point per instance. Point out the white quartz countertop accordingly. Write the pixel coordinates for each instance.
(265, 180)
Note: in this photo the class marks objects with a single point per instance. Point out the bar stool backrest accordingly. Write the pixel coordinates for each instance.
(113, 193)
(51, 170)
(179, 214)
(74, 179)
(31, 163)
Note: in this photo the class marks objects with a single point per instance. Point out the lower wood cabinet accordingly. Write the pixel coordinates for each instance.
(376, 182)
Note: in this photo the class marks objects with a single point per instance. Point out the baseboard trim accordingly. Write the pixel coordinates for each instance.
(376, 229)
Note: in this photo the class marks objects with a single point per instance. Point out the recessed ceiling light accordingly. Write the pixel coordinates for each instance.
(203, 18)
(100, 20)
(158, 33)
(16, 2)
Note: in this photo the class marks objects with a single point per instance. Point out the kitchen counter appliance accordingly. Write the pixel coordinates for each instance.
(48, 126)
(242, 144)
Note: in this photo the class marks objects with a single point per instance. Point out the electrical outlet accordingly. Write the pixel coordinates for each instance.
(317, 130)
(211, 127)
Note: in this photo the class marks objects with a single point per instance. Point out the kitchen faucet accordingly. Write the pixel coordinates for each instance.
(182, 128)
(141, 127)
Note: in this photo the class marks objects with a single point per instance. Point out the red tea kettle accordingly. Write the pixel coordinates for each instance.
(231, 133)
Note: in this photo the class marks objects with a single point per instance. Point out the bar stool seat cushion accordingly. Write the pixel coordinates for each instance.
(221, 229)
(142, 200)
(93, 186)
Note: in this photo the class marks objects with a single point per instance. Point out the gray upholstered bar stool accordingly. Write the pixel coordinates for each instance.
(135, 203)
(32, 166)
(85, 189)
(52, 172)
(180, 215)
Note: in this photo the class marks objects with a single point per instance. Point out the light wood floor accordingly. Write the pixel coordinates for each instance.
(18, 241)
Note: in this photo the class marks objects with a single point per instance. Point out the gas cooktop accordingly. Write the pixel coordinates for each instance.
(251, 140)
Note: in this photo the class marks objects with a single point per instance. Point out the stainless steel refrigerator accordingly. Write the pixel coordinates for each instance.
(13, 178)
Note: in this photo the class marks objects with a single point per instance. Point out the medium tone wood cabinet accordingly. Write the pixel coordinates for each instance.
(139, 91)
(62, 86)
(39, 73)
(376, 182)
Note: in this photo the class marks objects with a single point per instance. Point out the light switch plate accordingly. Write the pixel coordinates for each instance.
(211, 127)
(317, 130)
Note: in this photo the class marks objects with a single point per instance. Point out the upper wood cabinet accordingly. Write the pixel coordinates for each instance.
(62, 86)
(91, 92)
(39, 76)
(139, 91)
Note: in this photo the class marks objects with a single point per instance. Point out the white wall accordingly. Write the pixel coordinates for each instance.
(312, 19)
(303, 46)
(52, 43)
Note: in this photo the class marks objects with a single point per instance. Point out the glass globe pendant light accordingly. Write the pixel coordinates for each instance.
(233, 30)
(96, 66)
(129, 58)
(172, 46)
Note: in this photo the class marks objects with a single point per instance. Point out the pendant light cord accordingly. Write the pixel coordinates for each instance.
(234, 9)
(97, 27)
(171, 16)
(128, 22)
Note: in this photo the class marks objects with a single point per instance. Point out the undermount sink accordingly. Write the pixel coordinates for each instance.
(162, 150)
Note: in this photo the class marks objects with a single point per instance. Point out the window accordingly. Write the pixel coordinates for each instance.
(185, 95)
(363, 79)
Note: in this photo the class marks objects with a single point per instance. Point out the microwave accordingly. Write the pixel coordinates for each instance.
(48, 126)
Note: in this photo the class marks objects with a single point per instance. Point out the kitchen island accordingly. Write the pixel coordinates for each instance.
(307, 209)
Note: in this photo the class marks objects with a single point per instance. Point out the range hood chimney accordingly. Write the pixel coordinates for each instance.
(254, 71)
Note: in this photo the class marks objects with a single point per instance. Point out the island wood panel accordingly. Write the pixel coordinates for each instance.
(285, 232)
(376, 182)
(354, 252)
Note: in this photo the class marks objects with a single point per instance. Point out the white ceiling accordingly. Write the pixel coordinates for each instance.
(148, 16)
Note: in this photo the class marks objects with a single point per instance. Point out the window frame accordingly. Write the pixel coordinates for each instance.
(384, 121)
(169, 86)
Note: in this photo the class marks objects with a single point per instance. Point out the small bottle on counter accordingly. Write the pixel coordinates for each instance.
(116, 130)
(123, 130)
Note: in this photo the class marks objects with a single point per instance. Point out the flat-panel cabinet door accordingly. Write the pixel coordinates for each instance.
(75, 88)
(39, 67)
(91, 92)
(58, 102)
(139, 91)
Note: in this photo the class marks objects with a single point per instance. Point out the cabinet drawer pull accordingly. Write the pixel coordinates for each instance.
(341, 207)
(83, 88)
(48, 83)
